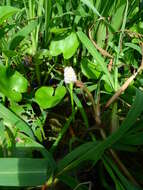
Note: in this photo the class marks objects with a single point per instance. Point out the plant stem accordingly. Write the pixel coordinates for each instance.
(124, 86)
(95, 106)
(71, 96)
(119, 48)
(47, 74)
(103, 134)
(118, 161)
(63, 131)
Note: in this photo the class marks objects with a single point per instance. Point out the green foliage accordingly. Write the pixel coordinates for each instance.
(47, 97)
(67, 46)
(18, 171)
(12, 83)
(52, 132)
(26, 112)
(90, 70)
(92, 50)
(14, 122)
(93, 150)
(20, 35)
(6, 12)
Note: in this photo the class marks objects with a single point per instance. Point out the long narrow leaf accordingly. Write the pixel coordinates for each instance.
(90, 5)
(92, 50)
(20, 35)
(71, 182)
(134, 46)
(81, 108)
(95, 150)
(118, 185)
(62, 132)
(23, 171)
(127, 184)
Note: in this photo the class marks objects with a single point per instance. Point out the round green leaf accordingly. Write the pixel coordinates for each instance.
(18, 82)
(56, 47)
(12, 84)
(48, 97)
(67, 46)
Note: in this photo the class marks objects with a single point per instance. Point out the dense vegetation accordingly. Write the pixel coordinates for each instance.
(78, 133)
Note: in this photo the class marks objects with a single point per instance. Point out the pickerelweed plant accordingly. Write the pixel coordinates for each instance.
(82, 130)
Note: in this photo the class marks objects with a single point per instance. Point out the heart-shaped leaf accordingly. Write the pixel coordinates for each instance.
(67, 46)
(48, 97)
(12, 84)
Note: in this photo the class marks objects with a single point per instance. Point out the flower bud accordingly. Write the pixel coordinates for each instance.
(69, 75)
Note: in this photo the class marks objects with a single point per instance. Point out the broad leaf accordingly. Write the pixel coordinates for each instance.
(48, 97)
(67, 46)
(12, 83)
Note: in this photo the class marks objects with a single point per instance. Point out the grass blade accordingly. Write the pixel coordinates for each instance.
(92, 50)
(134, 46)
(71, 182)
(20, 35)
(62, 132)
(81, 108)
(118, 185)
(48, 11)
(23, 171)
(127, 184)
(93, 151)
(91, 6)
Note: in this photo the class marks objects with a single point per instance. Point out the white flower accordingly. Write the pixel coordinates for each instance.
(69, 75)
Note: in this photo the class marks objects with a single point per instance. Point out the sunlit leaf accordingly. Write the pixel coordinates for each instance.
(48, 97)
(6, 12)
(67, 46)
(12, 83)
